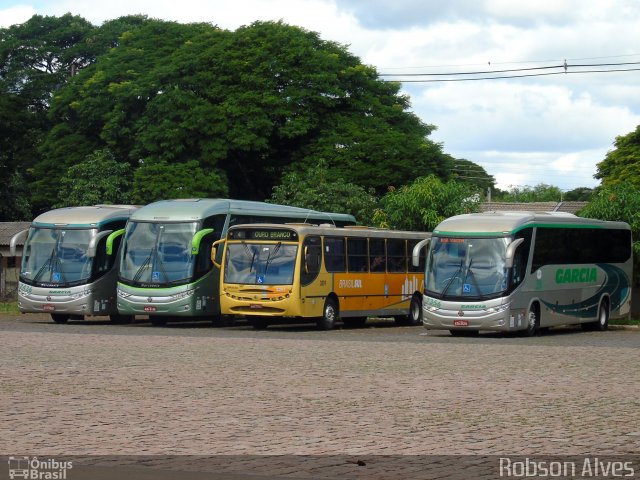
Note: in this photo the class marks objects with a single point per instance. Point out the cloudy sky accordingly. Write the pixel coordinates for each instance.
(550, 128)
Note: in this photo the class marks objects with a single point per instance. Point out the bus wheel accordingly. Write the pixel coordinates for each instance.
(59, 317)
(354, 322)
(329, 315)
(119, 319)
(602, 323)
(259, 323)
(533, 322)
(157, 321)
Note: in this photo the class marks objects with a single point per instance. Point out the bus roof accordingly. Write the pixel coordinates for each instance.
(509, 222)
(86, 216)
(199, 208)
(349, 231)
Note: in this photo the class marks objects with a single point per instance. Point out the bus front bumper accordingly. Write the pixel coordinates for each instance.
(500, 318)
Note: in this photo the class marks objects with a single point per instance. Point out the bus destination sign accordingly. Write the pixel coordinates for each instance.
(264, 234)
(272, 235)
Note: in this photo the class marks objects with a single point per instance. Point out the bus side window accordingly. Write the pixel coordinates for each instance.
(376, 255)
(311, 255)
(334, 255)
(357, 255)
(396, 256)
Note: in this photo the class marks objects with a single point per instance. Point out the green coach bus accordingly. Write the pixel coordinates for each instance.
(509, 271)
(166, 269)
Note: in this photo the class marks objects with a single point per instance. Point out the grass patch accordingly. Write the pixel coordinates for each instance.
(625, 321)
(9, 307)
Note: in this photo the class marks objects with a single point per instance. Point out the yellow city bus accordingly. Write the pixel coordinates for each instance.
(288, 273)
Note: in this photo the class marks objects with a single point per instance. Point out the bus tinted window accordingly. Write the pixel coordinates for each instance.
(357, 254)
(560, 246)
(396, 255)
(376, 255)
(334, 255)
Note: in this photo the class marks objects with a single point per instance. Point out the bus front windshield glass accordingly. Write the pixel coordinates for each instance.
(467, 267)
(260, 263)
(158, 253)
(57, 256)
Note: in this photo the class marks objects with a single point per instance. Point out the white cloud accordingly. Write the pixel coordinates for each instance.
(15, 15)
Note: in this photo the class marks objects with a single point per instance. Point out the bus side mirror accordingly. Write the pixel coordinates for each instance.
(112, 238)
(415, 254)
(214, 252)
(511, 251)
(91, 249)
(14, 241)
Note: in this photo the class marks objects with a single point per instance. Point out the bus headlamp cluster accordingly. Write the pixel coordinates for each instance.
(181, 295)
(499, 308)
(123, 294)
(82, 294)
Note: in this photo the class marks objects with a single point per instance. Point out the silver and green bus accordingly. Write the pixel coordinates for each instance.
(524, 271)
(166, 269)
(69, 262)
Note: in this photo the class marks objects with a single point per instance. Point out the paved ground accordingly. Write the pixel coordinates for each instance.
(240, 401)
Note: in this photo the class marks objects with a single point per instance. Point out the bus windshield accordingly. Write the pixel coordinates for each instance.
(260, 263)
(467, 267)
(158, 253)
(57, 256)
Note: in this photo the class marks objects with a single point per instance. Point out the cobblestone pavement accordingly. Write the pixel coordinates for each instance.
(350, 394)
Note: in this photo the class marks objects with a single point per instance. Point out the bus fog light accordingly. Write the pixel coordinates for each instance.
(501, 322)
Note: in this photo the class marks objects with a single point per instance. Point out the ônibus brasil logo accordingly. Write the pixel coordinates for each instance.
(36, 469)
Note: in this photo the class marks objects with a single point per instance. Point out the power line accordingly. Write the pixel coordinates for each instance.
(564, 69)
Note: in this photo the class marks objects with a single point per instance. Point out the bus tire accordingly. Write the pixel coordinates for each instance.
(259, 323)
(329, 315)
(533, 321)
(121, 319)
(602, 324)
(59, 317)
(157, 321)
(415, 311)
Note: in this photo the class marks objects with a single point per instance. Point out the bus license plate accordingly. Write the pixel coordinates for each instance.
(461, 323)
(48, 308)
(150, 308)
(256, 306)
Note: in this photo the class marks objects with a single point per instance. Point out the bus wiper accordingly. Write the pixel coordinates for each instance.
(272, 256)
(45, 265)
(249, 254)
(458, 272)
(473, 277)
(144, 265)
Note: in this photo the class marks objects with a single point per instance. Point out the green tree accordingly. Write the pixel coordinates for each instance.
(580, 194)
(540, 193)
(266, 99)
(160, 180)
(319, 190)
(100, 178)
(422, 205)
(622, 164)
(621, 203)
(465, 171)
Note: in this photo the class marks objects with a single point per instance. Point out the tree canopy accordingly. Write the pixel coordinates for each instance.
(423, 204)
(247, 106)
(622, 164)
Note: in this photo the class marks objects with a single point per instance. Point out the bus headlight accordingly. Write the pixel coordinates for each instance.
(123, 294)
(181, 295)
(499, 308)
(79, 295)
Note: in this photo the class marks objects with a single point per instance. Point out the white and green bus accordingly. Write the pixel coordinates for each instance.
(166, 269)
(510, 271)
(69, 262)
